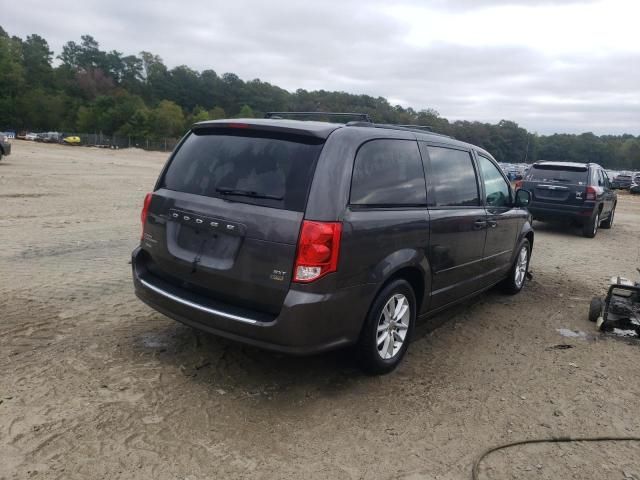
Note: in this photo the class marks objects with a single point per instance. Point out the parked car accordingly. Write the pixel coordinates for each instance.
(71, 140)
(302, 236)
(49, 137)
(5, 146)
(623, 181)
(31, 136)
(635, 186)
(580, 192)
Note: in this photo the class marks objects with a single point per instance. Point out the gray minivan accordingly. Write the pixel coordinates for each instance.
(304, 236)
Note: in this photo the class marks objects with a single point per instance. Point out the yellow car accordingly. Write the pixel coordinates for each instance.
(71, 140)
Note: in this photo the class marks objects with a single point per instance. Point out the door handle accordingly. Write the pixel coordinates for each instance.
(492, 223)
(480, 224)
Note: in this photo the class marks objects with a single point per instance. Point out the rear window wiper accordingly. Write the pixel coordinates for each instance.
(246, 193)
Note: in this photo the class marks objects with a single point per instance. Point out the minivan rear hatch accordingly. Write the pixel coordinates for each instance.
(557, 182)
(225, 217)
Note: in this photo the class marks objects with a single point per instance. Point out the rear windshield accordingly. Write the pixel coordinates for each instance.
(246, 166)
(558, 173)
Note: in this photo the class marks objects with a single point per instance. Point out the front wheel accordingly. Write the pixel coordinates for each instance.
(387, 329)
(518, 273)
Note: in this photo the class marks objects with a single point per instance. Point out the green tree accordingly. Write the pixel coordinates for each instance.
(217, 113)
(137, 125)
(184, 87)
(36, 58)
(166, 120)
(630, 153)
(38, 109)
(12, 80)
(199, 115)
(246, 112)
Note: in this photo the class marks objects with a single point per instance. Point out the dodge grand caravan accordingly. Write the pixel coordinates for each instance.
(304, 236)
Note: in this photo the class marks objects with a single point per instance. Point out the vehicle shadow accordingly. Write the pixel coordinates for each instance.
(558, 228)
(226, 366)
(231, 367)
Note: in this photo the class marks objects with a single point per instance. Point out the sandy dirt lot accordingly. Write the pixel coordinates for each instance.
(96, 385)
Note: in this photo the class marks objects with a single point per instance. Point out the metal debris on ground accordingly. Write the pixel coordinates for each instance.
(619, 311)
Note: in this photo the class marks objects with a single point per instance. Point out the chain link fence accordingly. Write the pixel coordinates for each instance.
(122, 141)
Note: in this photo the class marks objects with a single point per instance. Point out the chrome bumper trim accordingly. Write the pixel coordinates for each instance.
(197, 306)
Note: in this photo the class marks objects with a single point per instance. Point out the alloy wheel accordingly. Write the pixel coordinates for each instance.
(521, 267)
(393, 325)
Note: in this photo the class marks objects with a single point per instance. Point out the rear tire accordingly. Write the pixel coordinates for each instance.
(519, 270)
(590, 227)
(608, 223)
(595, 308)
(387, 329)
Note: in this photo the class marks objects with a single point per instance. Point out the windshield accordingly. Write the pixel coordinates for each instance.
(247, 166)
(558, 174)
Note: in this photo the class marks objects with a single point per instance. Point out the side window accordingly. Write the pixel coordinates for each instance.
(603, 178)
(495, 186)
(388, 173)
(452, 177)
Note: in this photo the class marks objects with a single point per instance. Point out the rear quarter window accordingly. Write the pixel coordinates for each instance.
(260, 168)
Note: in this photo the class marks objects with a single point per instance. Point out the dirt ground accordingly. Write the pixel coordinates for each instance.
(96, 385)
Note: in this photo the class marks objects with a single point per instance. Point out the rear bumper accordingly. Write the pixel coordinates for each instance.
(308, 323)
(551, 211)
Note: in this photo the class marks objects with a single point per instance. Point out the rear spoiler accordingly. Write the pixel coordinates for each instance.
(291, 127)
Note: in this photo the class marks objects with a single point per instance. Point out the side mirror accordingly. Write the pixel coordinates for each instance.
(523, 198)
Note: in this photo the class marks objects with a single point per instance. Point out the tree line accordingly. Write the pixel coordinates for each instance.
(91, 90)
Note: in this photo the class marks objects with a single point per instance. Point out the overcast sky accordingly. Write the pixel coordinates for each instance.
(552, 66)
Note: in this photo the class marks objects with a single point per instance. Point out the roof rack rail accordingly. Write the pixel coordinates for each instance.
(414, 128)
(363, 116)
(429, 128)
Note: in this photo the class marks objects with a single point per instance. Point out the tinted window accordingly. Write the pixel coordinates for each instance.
(495, 186)
(388, 172)
(452, 177)
(249, 163)
(558, 173)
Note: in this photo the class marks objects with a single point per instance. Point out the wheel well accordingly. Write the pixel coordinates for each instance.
(529, 236)
(415, 277)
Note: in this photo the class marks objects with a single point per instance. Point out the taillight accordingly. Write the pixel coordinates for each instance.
(518, 184)
(145, 210)
(318, 250)
(590, 193)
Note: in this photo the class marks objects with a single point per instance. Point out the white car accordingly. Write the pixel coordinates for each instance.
(31, 136)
